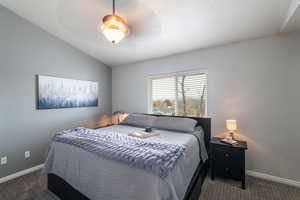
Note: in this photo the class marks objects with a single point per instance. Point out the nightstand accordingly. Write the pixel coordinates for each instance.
(228, 160)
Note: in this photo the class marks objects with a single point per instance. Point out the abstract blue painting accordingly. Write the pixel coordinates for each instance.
(66, 93)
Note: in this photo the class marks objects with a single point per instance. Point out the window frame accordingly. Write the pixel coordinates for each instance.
(172, 74)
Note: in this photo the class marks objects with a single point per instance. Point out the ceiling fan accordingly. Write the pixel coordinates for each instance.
(82, 19)
(113, 26)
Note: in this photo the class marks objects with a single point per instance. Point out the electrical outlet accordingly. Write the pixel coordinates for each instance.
(27, 154)
(3, 160)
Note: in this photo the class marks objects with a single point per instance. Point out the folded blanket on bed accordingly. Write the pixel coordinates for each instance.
(157, 158)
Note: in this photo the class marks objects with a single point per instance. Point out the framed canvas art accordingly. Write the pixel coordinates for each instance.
(56, 93)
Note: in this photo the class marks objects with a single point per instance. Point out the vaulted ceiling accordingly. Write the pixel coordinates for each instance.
(158, 27)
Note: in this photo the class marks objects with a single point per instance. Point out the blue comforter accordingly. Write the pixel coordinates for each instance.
(158, 158)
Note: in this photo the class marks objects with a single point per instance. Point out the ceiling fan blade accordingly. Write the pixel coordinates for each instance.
(143, 22)
(145, 26)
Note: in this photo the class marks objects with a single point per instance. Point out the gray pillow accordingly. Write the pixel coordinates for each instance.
(139, 120)
(175, 124)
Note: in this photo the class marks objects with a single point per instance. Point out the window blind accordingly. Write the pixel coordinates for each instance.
(180, 95)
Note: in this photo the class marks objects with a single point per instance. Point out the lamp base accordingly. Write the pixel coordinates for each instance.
(232, 135)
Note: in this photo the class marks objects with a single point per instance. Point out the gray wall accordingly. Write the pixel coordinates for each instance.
(256, 82)
(26, 50)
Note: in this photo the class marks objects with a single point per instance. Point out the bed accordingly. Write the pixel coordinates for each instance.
(76, 174)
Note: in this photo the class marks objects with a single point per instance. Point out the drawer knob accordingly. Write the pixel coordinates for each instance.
(226, 169)
(226, 155)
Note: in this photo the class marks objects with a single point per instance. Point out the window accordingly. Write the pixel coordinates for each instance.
(183, 95)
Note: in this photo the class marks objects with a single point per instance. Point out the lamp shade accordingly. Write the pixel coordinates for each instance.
(114, 28)
(231, 125)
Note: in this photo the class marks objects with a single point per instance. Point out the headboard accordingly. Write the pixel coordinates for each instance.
(205, 123)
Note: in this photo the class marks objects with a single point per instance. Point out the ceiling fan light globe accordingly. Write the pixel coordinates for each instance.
(113, 35)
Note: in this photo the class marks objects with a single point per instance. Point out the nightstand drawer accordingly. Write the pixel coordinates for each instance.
(224, 154)
(229, 171)
(225, 171)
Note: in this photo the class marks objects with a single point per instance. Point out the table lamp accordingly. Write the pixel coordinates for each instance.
(118, 117)
(231, 125)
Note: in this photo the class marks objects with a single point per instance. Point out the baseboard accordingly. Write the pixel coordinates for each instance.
(21, 173)
(273, 178)
(248, 172)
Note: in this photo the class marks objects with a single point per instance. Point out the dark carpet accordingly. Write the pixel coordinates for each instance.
(256, 189)
(34, 187)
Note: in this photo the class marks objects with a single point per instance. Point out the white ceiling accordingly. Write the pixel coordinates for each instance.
(159, 27)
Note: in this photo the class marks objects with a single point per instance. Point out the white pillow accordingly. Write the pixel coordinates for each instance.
(139, 120)
(175, 124)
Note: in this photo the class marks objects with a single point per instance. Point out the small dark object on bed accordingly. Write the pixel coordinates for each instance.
(66, 192)
(148, 129)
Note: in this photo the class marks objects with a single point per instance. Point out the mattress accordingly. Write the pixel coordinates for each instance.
(99, 178)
